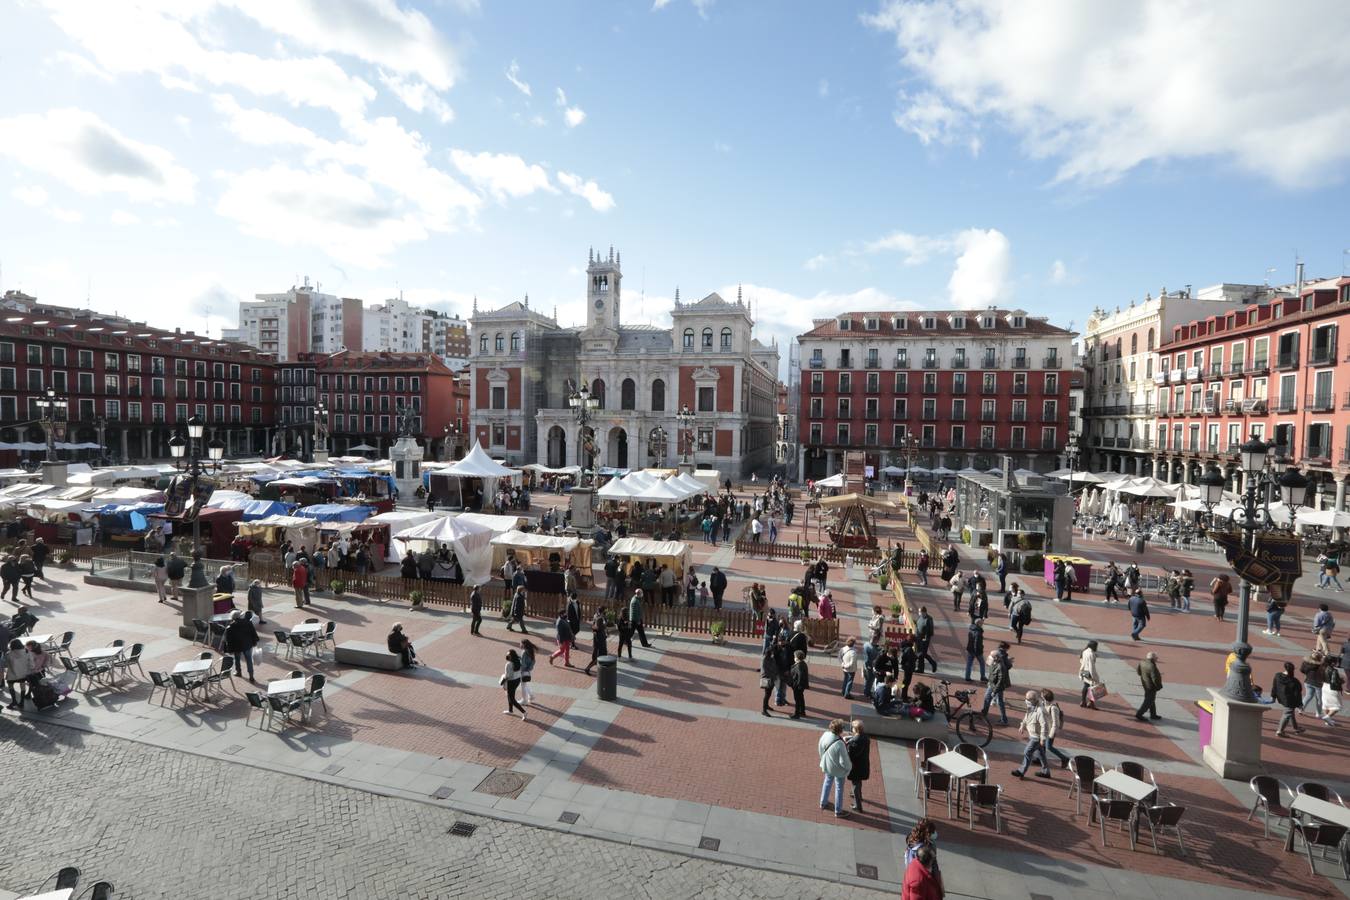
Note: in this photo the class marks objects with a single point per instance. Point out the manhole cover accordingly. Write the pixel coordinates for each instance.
(462, 829)
(503, 783)
(443, 792)
(707, 843)
(866, 871)
(569, 818)
(232, 749)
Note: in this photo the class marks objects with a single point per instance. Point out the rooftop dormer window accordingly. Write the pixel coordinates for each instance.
(845, 325)
(986, 321)
(930, 322)
(900, 323)
(872, 324)
(958, 321)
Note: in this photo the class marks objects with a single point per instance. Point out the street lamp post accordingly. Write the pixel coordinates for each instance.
(53, 408)
(583, 404)
(910, 448)
(685, 418)
(657, 443)
(319, 440)
(1251, 518)
(188, 458)
(1071, 451)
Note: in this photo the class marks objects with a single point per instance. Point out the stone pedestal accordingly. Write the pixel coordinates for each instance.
(686, 467)
(583, 509)
(197, 604)
(54, 473)
(1234, 749)
(320, 457)
(406, 455)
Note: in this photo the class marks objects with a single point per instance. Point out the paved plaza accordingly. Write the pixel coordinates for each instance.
(681, 788)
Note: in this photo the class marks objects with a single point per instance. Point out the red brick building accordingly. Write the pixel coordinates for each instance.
(1271, 368)
(970, 385)
(365, 392)
(129, 386)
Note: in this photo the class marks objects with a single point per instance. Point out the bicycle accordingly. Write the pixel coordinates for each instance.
(971, 726)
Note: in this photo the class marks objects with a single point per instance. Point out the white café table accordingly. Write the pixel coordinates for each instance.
(286, 686)
(193, 667)
(308, 628)
(958, 766)
(42, 640)
(62, 894)
(1132, 788)
(1333, 813)
(99, 654)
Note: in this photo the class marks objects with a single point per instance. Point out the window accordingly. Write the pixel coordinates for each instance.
(817, 382)
(871, 323)
(707, 399)
(1260, 352)
(482, 343)
(705, 440)
(499, 342)
(86, 382)
(958, 435)
(85, 359)
(873, 382)
(929, 322)
(1050, 411)
(845, 324)
(59, 382)
(498, 435)
(598, 392)
(35, 380)
(35, 354)
(658, 396)
(930, 382)
(841, 433)
(7, 352)
(815, 433)
(845, 382)
(499, 398)
(515, 342)
(958, 382)
(817, 407)
(845, 410)
(384, 382)
(707, 338)
(689, 340)
(1134, 344)
(901, 408)
(726, 338)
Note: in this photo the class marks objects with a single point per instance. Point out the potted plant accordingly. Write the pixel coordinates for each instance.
(65, 558)
(895, 611)
(416, 597)
(337, 586)
(806, 557)
(718, 630)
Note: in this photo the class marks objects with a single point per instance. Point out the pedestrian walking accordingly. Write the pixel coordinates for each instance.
(923, 639)
(1052, 722)
(1220, 589)
(300, 583)
(255, 599)
(1311, 670)
(625, 628)
(1087, 673)
(39, 557)
(975, 648)
(511, 681)
(848, 665)
(565, 636)
(923, 567)
(1288, 693)
(1185, 586)
(922, 880)
(717, 583)
(1033, 726)
(1322, 626)
(800, 678)
(160, 575)
(516, 611)
(1001, 570)
(1331, 571)
(635, 617)
(1274, 612)
(835, 763)
(769, 673)
(1151, 680)
(26, 573)
(240, 639)
(599, 638)
(1000, 664)
(1332, 686)
(1019, 617)
(860, 761)
(782, 655)
(957, 585)
(9, 578)
(1113, 583)
(1139, 613)
(476, 610)
(527, 657)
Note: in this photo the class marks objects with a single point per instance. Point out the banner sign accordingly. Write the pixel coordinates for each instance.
(1277, 561)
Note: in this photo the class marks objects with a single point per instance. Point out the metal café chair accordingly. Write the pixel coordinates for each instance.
(202, 633)
(1162, 817)
(1120, 811)
(285, 706)
(1085, 771)
(933, 781)
(1324, 835)
(985, 796)
(255, 701)
(1320, 791)
(1270, 793)
(315, 692)
(134, 659)
(924, 750)
(161, 680)
(186, 687)
(975, 754)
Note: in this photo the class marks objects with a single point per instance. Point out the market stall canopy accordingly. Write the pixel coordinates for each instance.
(52, 509)
(662, 492)
(335, 512)
(693, 484)
(128, 494)
(545, 470)
(299, 531)
(834, 481)
(1279, 513)
(1077, 477)
(477, 464)
(363, 448)
(892, 470)
(113, 475)
(639, 480)
(675, 554)
(398, 519)
(856, 500)
(495, 524)
(616, 489)
(923, 470)
(17, 475)
(1326, 518)
(939, 470)
(968, 470)
(471, 541)
(530, 539)
(228, 500)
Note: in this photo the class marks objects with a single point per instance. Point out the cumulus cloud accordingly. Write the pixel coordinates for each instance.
(513, 76)
(572, 115)
(80, 149)
(418, 96)
(817, 262)
(503, 175)
(600, 200)
(30, 195)
(701, 5)
(980, 277)
(122, 217)
(1103, 88)
(1059, 273)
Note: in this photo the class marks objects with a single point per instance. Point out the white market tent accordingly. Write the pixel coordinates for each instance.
(1078, 477)
(968, 470)
(639, 480)
(470, 541)
(834, 481)
(1327, 518)
(689, 481)
(477, 464)
(939, 471)
(495, 524)
(663, 493)
(398, 520)
(534, 549)
(892, 470)
(616, 489)
(675, 554)
(299, 531)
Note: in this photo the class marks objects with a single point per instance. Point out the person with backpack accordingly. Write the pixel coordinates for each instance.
(1019, 616)
(1288, 693)
(1331, 571)
(1322, 626)
(1000, 664)
(1219, 590)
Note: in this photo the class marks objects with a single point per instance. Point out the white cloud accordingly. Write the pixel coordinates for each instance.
(600, 200)
(30, 195)
(80, 65)
(513, 76)
(503, 175)
(981, 274)
(573, 115)
(122, 217)
(1059, 273)
(817, 262)
(1103, 88)
(701, 5)
(418, 96)
(915, 248)
(70, 216)
(86, 153)
(823, 88)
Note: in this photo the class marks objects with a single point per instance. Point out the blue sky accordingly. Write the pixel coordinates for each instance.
(170, 156)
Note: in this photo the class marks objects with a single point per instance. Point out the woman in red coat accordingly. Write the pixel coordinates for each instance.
(921, 879)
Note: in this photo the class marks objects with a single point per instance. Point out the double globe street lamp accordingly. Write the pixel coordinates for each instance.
(188, 459)
(685, 417)
(583, 404)
(1250, 518)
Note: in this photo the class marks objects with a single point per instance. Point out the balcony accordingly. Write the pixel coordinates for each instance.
(1019, 415)
(844, 387)
(1049, 443)
(1215, 370)
(988, 415)
(959, 390)
(133, 392)
(872, 415)
(1236, 368)
(1322, 355)
(1234, 407)
(988, 389)
(930, 362)
(1020, 362)
(986, 443)
(1259, 367)
(845, 362)
(960, 415)
(1209, 408)
(1051, 361)
(989, 362)
(957, 443)
(872, 362)
(930, 389)
(1286, 405)
(1319, 402)
(1018, 443)
(1317, 454)
(1019, 389)
(959, 362)
(1286, 361)
(873, 387)
(816, 363)
(1345, 404)
(1123, 443)
(901, 362)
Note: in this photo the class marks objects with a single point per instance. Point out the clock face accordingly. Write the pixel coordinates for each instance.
(599, 304)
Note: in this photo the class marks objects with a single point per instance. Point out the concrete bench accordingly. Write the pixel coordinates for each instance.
(367, 655)
(898, 726)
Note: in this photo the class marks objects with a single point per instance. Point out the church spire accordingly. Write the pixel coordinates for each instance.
(738, 295)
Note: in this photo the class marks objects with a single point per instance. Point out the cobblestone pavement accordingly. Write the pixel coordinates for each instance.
(163, 824)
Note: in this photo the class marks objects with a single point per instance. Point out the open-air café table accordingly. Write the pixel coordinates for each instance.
(59, 894)
(42, 640)
(100, 654)
(194, 668)
(1131, 788)
(1332, 813)
(284, 687)
(308, 628)
(958, 766)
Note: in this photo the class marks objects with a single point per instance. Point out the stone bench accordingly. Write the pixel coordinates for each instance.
(878, 725)
(367, 655)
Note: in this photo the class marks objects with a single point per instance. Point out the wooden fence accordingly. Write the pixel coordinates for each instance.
(833, 555)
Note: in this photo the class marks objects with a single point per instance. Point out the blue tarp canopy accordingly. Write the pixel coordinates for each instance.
(252, 509)
(127, 516)
(353, 474)
(336, 512)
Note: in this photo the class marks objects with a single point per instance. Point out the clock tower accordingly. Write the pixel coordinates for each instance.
(603, 276)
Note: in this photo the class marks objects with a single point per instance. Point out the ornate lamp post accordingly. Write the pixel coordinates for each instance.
(583, 404)
(53, 409)
(1250, 518)
(910, 448)
(451, 431)
(188, 459)
(1071, 451)
(319, 440)
(657, 443)
(685, 418)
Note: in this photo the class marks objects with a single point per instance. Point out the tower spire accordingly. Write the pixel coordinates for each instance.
(738, 295)
(527, 299)
(677, 293)
(475, 304)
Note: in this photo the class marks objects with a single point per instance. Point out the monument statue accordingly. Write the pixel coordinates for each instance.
(406, 416)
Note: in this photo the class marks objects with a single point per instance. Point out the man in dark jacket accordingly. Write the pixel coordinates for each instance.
(717, 583)
(1288, 693)
(860, 757)
(923, 637)
(516, 614)
(799, 642)
(783, 657)
(823, 573)
(39, 556)
(240, 639)
(175, 568)
(1139, 612)
(475, 609)
(975, 648)
(800, 679)
(908, 660)
(1151, 681)
(565, 636)
(999, 680)
(9, 578)
(612, 570)
(635, 617)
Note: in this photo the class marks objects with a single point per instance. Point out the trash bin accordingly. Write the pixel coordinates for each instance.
(1204, 712)
(1139, 544)
(607, 683)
